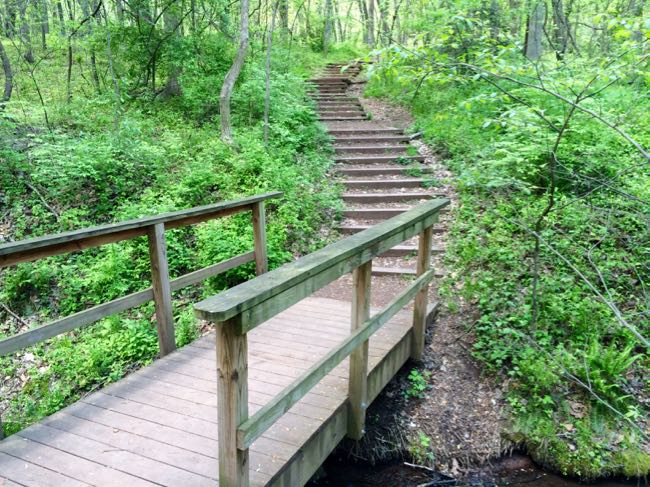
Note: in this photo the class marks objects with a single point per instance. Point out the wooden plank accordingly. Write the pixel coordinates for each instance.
(253, 427)
(129, 463)
(162, 293)
(232, 398)
(72, 466)
(420, 305)
(358, 373)
(259, 238)
(96, 313)
(36, 248)
(30, 474)
(362, 246)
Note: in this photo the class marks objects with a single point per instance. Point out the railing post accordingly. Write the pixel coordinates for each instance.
(232, 403)
(358, 386)
(421, 299)
(259, 235)
(161, 290)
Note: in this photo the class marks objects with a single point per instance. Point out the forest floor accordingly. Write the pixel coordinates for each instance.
(456, 425)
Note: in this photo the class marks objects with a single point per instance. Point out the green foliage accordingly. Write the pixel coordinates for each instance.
(576, 389)
(417, 384)
(420, 450)
(162, 156)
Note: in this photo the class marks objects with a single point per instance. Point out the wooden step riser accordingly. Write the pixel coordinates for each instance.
(355, 230)
(369, 140)
(377, 213)
(397, 272)
(341, 119)
(384, 184)
(358, 113)
(377, 159)
(389, 150)
(359, 132)
(408, 251)
(380, 171)
(380, 198)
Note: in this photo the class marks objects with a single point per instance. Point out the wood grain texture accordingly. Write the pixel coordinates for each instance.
(259, 238)
(96, 313)
(358, 373)
(162, 293)
(420, 305)
(36, 248)
(232, 399)
(160, 425)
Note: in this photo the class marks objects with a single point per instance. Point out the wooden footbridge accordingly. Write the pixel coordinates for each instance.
(265, 398)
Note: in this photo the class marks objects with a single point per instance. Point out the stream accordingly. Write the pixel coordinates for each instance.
(516, 470)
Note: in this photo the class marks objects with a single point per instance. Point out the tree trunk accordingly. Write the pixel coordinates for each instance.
(10, 18)
(9, 76)
(327, 31)
(232, 75)
(172, 23)
(383, 17)
(283, 9)
(371, 23)
(267, 74)
(25, 33)
(535, 31)
(45, 24)
(560, 29)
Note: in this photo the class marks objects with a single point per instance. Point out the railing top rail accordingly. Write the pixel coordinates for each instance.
(31, 249)
(243, 297)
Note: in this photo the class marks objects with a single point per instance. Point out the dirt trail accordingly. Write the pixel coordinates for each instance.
(386, 172)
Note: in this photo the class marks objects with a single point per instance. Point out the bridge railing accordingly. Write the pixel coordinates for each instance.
(153, 227)
(242, 308)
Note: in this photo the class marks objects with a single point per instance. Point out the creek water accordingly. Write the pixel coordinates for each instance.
(343, 472)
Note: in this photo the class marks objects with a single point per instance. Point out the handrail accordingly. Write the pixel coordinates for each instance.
(256, 425)
(240, 309)
(48, 245)
(254, 302)
(160, 291)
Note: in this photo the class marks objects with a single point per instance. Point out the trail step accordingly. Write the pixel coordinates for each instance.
(384, 183)
(374, 159)
(370, 149)
(358, 139)
(352, 229)
(342, 112)
(341, 119)
(355, 131)
(381, 170)
(387, 197)
(373, 213)
(398, 271)
(409, 250)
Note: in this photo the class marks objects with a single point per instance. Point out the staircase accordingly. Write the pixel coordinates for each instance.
(383, 174)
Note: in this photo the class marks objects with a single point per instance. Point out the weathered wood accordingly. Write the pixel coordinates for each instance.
(232, 397)
(96, 313)
(36, 248)
(254, 427)
(259, 236)
(420, 305)
(328, 264)
(156, 419)
(358, 378)
(162, 293)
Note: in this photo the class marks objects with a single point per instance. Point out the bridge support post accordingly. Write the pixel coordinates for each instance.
(232, 401)
(162, 293)
(358, 384)
(421, 299)
(259, 236)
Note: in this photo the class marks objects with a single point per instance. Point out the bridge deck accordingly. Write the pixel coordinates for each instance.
(158, 426)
